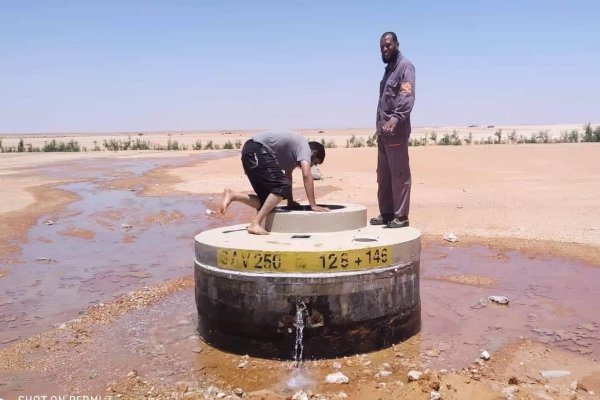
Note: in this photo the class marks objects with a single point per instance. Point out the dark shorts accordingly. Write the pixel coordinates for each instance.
(263, 171)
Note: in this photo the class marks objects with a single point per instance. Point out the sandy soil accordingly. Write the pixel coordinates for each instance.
(533, 198)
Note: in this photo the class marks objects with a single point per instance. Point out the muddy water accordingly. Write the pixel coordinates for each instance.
(102, 246)
(551, 300)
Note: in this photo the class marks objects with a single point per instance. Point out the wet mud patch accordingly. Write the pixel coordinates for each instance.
(163, 218)
(473, 280)
(551, 301)
(15, 225)
(78, 233)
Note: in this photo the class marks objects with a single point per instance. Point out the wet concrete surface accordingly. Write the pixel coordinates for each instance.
(552, 300)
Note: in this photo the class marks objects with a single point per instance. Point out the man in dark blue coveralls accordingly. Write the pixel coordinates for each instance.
(396, 100)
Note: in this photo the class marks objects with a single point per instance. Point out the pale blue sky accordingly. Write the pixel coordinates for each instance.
(73, 66)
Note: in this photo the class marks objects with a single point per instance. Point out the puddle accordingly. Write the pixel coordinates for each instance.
(104, 245)
(552, 300)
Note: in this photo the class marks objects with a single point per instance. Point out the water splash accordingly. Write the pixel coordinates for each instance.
(299, 346)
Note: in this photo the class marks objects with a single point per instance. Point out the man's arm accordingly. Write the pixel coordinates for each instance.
(309, 186)
(404, 101)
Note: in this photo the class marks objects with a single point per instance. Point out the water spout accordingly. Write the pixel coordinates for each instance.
(299, 324)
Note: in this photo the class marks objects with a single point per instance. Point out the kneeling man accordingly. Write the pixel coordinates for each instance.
(268, 159)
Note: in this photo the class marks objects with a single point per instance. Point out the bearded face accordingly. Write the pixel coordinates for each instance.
(389, 49)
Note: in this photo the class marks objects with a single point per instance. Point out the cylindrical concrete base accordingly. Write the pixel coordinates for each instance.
(347, 313)
(358, 285)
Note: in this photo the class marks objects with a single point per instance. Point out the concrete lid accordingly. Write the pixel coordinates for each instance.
(342, 217)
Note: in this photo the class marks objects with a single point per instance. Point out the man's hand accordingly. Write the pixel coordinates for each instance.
(388, 127)
(319, 208)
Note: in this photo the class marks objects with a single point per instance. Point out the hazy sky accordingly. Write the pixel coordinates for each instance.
(82, 65)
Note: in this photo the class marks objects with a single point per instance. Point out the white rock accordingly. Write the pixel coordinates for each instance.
(485, 355)
(316, 173)
(342, 395)
(300, 395)
(559, 373)
(574, 386)
(435, 396)
(414, 375)
(209, 211)
(337, 365)
(243, 364)
(498, 299)
(509, 392)
(450, 237)
(337, 377)
(383, 373)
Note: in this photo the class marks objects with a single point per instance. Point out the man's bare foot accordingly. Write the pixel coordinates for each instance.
(256, 229)
(227, 197)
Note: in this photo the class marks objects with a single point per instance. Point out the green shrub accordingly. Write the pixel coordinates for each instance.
(372, 141)
(354, 142)
(454, 139)
(434, 137)
(139, 144)
(498, 135)
(469, 139)
(445, 140)
(574, 136)
(328, 145)
(172, 145)
(54, 146)
(543, 137)
(596, 135)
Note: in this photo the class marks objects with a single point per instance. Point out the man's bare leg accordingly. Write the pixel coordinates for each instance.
(230, 196)
(270, 203)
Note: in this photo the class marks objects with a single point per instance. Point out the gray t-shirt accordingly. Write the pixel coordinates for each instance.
(289, 147)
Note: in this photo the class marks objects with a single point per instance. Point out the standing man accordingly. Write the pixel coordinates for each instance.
(268, 159)
(396, 100)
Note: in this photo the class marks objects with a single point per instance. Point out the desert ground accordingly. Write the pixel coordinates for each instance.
(519, 201)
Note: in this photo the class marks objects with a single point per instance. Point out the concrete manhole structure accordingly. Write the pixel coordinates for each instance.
(356, 285)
